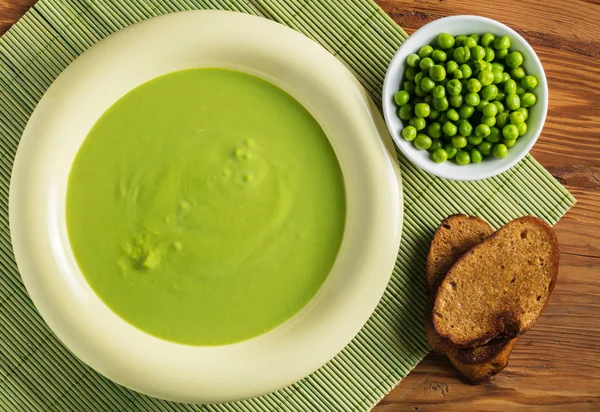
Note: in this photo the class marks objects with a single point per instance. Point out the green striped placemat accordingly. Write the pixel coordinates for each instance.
(37, 373)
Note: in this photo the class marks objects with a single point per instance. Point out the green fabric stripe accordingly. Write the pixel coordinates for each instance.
(36, 370)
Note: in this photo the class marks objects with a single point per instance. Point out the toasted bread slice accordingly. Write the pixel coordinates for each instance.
(455, 235)
(499, 288)
(479, 364)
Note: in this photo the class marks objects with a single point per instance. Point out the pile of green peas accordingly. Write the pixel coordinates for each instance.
(465, 99)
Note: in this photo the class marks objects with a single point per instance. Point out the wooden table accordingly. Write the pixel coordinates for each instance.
(556, 365)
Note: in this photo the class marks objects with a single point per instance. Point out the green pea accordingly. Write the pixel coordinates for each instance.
(509, 143)
(425, 51)
(422, 110)
(524, 111)
(502, 43)
(409, 86)
(510, 87)
(459, 141)
(453, 115)
(453, 87)
(445, 41)
(497, 66)
(485, 147)
(498, 76)
(466, 111)
(450, 150)
(489, 92)
(477, 53)
(456, 101)
(427, 84)
(411, 72)
(439, 156)
(529, 82)
(419, 91)
(439, 56)
(449, 128)
(486, 77)
(501, 96)
(510, 132)
(462, 54)
(520, 91)
(413, 60)
(418, 123)
(465, 128)
(470, 42)
(428, 99)
(466, 70)
(443, 118)
(528, 99)
(418, 77)
(489, 54)
(473, 85)
(440, 104)
(435, 145)
(476, 156)
(487, 40)
(437, 73)
(401, 98)
(426, 63)
(512, 101)
(522, 128)
(472, 99)
(459, 40)
(476, 36)
(474, 140)
(517, 118)
(463, 158)
(405, 112)
(457, 74)
(481, 105)
(422, 142)
(514, 59)
(438, 92)
(499, 151)
(490, 121)
(502, 119)
(435, 130)
(479, 65)
(517, 73)
(451, 66)
(505, 77)
(490, 111)
(433, 114)
(500, 54)
(494, 136)
(409, 133)
(482, 130)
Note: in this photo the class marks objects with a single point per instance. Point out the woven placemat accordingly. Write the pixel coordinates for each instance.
(37, 373)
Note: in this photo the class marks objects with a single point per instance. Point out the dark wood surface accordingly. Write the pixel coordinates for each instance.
(556, 365)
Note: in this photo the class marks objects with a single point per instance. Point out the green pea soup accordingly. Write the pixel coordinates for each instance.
(206, 207)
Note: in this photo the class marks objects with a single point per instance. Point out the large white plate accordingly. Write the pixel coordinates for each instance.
(133, 56)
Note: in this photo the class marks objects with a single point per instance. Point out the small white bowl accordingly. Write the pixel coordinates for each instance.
(456, 25)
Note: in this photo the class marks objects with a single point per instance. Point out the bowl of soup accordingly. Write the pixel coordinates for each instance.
(205, 207)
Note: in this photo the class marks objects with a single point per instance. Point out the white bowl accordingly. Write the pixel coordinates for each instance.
(93, 83)
(456, 25)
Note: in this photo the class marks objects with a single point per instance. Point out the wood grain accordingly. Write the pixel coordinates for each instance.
(556, 365)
